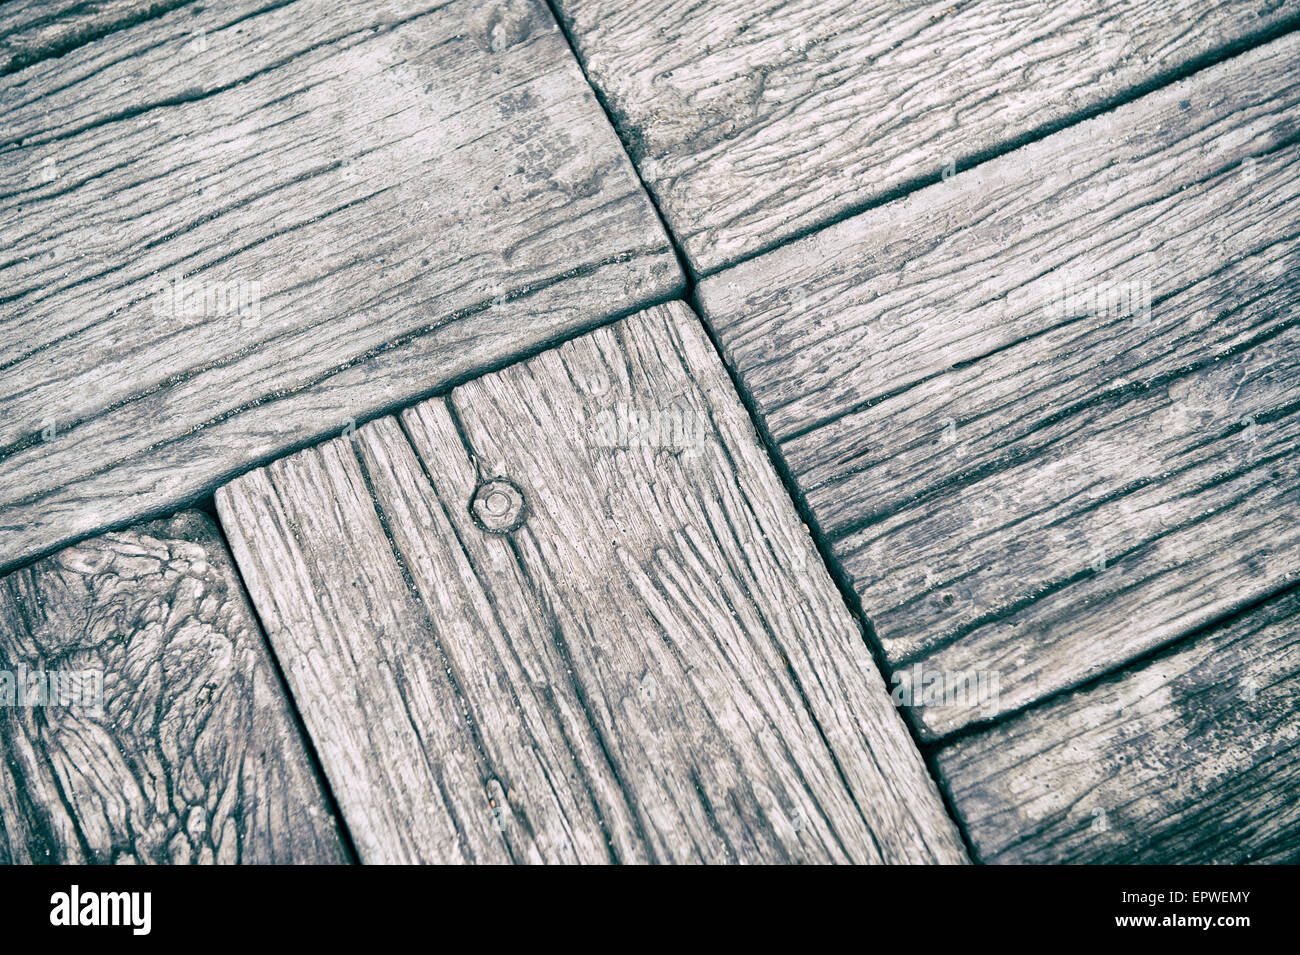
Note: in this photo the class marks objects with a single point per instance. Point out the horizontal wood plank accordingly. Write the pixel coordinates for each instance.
(754, 123)
(234, 229)
(1191, 758)
(568, 613)
(174, 742)
(1046, 410)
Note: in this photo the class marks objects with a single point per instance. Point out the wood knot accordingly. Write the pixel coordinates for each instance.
(498, 506)
(505, 24)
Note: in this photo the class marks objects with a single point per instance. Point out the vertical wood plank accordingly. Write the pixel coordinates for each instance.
(577, 599)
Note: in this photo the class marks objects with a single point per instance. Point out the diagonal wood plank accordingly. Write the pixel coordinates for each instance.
(1046, 411)
(568, 613)
(1191, 758)
(174, 742)
(233, 229)
(754, 123)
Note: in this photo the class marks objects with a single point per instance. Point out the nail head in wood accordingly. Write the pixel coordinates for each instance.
(498, 506)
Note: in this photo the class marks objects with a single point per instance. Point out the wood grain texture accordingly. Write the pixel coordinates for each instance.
(1191, 758)
(193, 755)
(35, 30)
(756, 122)
(361, 203)
(1017, 480)
(568, 613)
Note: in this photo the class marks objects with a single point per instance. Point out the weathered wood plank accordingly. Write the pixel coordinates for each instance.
(34, 30)
(362, 204)
(1018, 480)
(191, 753)
(756, 122)
(1191, 757)
(569, 613)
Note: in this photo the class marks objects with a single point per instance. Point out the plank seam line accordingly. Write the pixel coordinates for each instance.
(1105, 401)
(398, 341)
(839, 578)
(682, 262)
(789, 671)
(309, 745)
(194, 95)
(482, 759)
(864, 404)
(205, 491)
(1078, 406)
(634, 808)
(965, 163)
(1010, 611)
(543, 606)
(1166, 648)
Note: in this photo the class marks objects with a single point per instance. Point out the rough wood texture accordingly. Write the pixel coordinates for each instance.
(363, 203)
(193, 756)
(35, 30)
(569, 613)
(1021, 483)
(1191, 757)
(756, 122)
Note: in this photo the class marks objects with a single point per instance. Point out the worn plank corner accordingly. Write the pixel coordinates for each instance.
(143, 719)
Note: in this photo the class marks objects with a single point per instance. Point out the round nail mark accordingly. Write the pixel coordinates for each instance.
(498, 506)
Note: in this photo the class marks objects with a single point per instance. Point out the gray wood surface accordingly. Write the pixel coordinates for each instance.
(756, 122)
(1192, 757)
(1017, 481)
(191, 755)
(363, 203)
(35, 30)
(569, 613)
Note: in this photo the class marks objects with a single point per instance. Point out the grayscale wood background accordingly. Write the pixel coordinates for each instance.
(598, 431)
